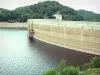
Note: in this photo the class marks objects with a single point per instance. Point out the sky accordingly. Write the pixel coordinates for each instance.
(90, 5)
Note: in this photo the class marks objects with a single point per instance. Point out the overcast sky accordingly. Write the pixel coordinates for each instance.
(91, 5)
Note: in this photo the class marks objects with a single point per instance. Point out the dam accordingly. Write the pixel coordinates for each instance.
(76, 35)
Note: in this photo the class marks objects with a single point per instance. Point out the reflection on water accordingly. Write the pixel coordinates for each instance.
(20, 56)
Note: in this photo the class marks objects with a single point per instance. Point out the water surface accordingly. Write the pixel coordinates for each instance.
(19, 56)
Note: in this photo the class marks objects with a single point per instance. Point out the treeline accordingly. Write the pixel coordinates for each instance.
(11, 16)
(43, 10)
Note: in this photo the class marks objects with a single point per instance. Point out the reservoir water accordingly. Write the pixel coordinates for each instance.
(19, 56)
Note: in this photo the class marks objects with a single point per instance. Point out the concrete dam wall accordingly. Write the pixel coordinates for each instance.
(77, 35)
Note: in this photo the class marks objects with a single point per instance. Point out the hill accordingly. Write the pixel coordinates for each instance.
(43, 10)
(89, 15)
(47, 9)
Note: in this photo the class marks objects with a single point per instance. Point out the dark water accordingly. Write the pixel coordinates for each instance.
(19, 56)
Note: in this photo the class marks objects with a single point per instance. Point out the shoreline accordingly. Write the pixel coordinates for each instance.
(13, 25)
(22, 28)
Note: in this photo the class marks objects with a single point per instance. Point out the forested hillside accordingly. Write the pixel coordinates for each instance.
(89, 15)
(46, 10)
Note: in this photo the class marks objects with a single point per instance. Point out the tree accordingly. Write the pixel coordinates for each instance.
(77, 18)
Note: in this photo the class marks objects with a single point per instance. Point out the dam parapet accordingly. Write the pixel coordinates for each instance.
(77, 35)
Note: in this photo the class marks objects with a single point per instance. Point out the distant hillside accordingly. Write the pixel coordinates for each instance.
(89, 15)
(47, 9)
(43, 10)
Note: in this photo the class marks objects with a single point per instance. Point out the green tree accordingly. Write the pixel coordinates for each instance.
(51, 72)
(77, 18)
(70, 71)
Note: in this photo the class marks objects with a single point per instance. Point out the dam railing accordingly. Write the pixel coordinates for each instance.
(77, 35)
